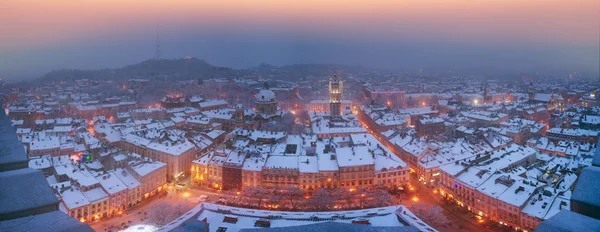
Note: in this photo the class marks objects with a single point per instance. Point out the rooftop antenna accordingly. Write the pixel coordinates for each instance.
(157, 56)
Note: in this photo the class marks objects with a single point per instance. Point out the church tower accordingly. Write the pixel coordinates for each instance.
(336, 87)
(531, 92)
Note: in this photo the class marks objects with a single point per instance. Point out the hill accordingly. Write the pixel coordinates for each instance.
(173, 69)
(193, 68)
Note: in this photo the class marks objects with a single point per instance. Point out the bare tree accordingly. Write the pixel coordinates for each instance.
(180, 209)
(293, 194)
(162, 213)
(362, 194)
(382, 198)
(258, 193)
(275, 198)
(304, 117)
(432, 214)
(234, 197)
(344, 195)
(419, 209)
(321, 200)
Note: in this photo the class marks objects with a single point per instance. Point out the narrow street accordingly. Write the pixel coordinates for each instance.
(460, 221)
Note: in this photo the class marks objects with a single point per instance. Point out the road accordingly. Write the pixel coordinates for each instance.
(459, 221)
(186, 194)
(135, 214)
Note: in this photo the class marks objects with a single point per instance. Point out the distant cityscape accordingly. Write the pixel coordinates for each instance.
(404, 152)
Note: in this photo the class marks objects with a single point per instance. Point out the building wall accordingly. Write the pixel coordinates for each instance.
(391, 178)
(324, 107)
(81, 213)
(151, 183)
(232, 177)
(429, 129)
(51, 151)
(118, 202)
(98, 210)
(215, 175)
(357, 176)
(199, 174)
(278, 178)
(309, 181)
(251, 178)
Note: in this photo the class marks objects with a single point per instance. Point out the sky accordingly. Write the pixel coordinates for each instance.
(37, 36)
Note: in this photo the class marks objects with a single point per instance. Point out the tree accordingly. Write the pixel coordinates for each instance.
(275, 198)
(432, 214)
(304, 116)
(180, 209)
(321, 200)
(162, 213)
(343, 194)
(382, 198)
(362, 194)
(234, 198)
(259, 193)
(292, 194)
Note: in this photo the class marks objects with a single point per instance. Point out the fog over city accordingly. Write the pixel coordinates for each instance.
(486, 37)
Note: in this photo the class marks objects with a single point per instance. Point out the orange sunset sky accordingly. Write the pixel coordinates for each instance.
(32, 32)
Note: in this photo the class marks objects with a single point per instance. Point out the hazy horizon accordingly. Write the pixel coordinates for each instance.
(496, 36)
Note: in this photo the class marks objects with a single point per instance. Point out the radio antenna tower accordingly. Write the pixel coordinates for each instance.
(157, 56)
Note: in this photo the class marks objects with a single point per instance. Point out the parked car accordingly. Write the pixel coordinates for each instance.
(204, 198)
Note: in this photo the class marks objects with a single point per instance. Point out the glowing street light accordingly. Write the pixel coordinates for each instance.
(415, 199)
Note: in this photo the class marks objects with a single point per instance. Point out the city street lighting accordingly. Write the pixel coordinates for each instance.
(415, 199)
